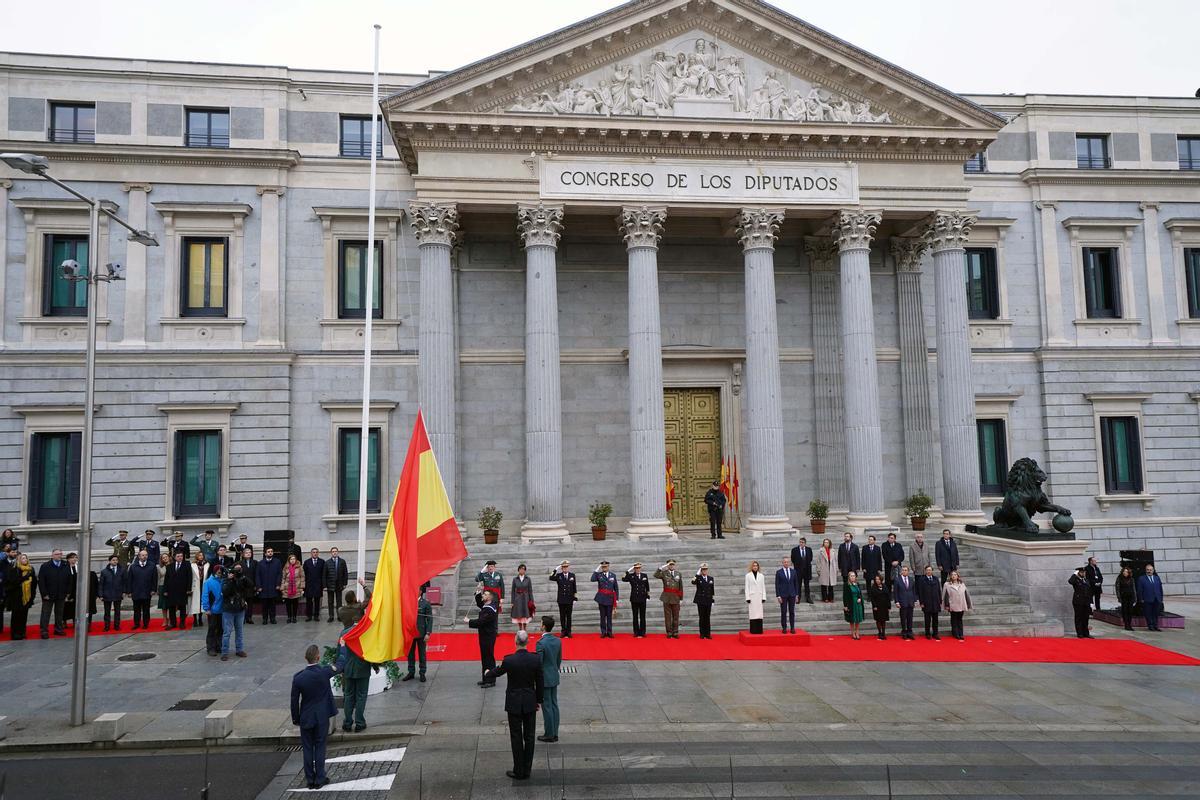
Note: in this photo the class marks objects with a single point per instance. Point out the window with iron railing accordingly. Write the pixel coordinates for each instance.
(1091, 151)
(72, 122)
(207, 127)
(976, 163)
(1189, 152)
(355, 139)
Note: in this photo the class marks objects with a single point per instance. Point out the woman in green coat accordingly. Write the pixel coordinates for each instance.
(852, 603)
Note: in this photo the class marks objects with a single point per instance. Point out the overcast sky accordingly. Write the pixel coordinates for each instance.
(1145, 47)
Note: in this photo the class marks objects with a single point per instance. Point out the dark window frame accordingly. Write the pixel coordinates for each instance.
(70, 477)
(1113, 278)
(51, 274)
(1092, 159)
(976, 164)
(1191, 280)
(184, 261)
(1001, 462)
(74, 134)
(1190, 159)
(349, 505)
(989, 277)
(361, 148)
(181, 509)
(193, 138)
(1128, 427)
(345, 312)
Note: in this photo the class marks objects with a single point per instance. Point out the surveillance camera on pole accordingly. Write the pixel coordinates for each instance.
(71, 271)
(115, 272)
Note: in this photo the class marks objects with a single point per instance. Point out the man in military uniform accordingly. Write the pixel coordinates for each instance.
(607, 592)
(672, 596)
(714, 501)
(146, 542)
(208, 545)
(486, 623)
(639, 593)
(568, 593)
(493, 581)
(705, 594)
(122, 548)
(178, 545)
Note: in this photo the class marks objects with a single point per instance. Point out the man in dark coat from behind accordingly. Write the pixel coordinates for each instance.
(522, 699)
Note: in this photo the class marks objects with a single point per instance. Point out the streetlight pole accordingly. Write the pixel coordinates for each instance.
(39, 166)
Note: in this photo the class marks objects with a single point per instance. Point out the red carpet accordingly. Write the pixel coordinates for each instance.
(97, 629)
(727, 647)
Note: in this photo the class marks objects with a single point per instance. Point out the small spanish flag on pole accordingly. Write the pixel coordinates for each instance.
(670, 485)
(733, 472)
(421, 540)
(724, 486)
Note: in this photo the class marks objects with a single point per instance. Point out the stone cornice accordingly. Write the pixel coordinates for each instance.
(758, 228)
(540, 224)
(58, 204)
(137, 187)
(641, 226)
(357, 212)
(1044, 176)
(240, 157)
(233, 209)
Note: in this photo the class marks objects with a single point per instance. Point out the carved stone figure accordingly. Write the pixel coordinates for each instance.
(1023, 497)
(731, 79)
(662, 72)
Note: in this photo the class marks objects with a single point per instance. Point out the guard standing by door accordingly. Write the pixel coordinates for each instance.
(714, 501)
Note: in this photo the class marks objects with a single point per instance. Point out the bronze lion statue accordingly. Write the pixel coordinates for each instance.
(1024, 497)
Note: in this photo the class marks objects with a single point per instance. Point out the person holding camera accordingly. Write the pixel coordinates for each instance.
(236, 592)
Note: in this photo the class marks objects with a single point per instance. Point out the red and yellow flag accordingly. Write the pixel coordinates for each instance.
(724, 486)
(670, 485)
(421, 540)
(733, 472)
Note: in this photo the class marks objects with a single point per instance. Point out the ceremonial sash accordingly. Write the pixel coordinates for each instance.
(673, 591)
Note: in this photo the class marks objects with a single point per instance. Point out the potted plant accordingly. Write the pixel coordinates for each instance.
(489, 523)
(916, 508)
(818, 512)
(598, 514)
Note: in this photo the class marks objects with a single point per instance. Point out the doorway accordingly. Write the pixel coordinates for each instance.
(692, 418)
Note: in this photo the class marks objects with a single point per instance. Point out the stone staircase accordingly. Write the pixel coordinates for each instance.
(997, 611)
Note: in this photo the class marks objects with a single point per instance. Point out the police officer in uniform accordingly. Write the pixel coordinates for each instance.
(492, 581)
(714, 501)
(639, 593)
(1081, 602)
(486, 624)
(607, 592)
(568, 593)
(672, 596)
(705, 593)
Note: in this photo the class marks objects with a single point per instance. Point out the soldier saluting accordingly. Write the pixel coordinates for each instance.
(639, 593)
(568, 593)
(672, 596)
(606, 597)
(493, 581)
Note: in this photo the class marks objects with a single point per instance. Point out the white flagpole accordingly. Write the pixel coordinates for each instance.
(364, 438)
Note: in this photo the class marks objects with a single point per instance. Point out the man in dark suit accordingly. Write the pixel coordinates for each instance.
(893, 557)
(802, 556)
(522, 698)
(848, 557)
(312, 708)
(946, 554)
(266, 584)
(54, 582)
(143, 583)
(223, 558)
(113, 586)
(904, 592)
(1081, 602)
(337, 576)
(787, 589)
(639, 595)
(929, 595)
(568, 593)
(872, 560)
(1095, 579)
(314, 585)
(176, 587)
(486, 624)
(1149, 594)
(249, 566)
(292, 549)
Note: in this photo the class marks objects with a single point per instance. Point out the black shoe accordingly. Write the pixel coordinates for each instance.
(408, 677)
(347, 728)
(422, 679)
(312, 786)
(359, 728)
(711, 536)
(720, 537)
(937, 638)
(512, 774)
(106, 628)
(322, 782)
(249, 622)
(47, 636)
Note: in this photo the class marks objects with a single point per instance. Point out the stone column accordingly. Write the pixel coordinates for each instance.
(830, 432)
(5, 185)
(1154, 275)
(435, 227)
(134, 327)
(947, 238)
(270, 279)
(540, 227)
(860, 379)
(641, 227)
(757, 229)
(1054, 329)
(914, 366)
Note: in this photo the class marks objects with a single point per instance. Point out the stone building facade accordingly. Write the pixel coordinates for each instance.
(700, 227)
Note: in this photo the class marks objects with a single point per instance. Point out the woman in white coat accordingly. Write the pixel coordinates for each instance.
(200, 569)
(756, 595)
(826, 570)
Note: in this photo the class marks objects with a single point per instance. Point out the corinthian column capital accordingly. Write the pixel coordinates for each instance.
(822, 253)
(434, 223)
(540, 224)
(949, 230)
(641, 226)
(759, 227)
(907, 250)
(853, 230)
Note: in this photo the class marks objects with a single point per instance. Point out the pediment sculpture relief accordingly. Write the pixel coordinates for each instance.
(698, 82)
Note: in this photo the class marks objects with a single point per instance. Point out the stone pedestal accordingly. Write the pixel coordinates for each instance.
(1036, 571)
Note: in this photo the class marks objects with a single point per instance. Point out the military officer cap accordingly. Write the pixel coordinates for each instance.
(565, 563)
(670, 561)
(1081, 569)
(490, 564)
(637, 563)
(704, 565)
(604, 563)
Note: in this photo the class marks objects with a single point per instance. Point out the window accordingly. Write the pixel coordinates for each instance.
(1091, 151)
(993, 456)
(352, 280)
(72, 122)
(61, 297)
(348, 463)
(207, 127)
(54, 477)
(983, 297)
(976, 163)
(1122, 455)
(1102, 290)
(197, 473)
(356, 137)
(204, 288)
(1189, 152)
(1191, 270)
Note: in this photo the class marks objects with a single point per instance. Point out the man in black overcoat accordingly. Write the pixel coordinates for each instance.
(486, 623)
(522, 699)
(802, 556)
(176, 587)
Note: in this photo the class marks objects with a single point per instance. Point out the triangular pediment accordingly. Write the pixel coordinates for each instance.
(694, 59)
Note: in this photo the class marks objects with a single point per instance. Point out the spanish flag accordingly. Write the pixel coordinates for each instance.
(670, 485)
(724, 486)
(422, 539)
(735, 501)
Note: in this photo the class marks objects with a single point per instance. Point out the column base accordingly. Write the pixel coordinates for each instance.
(857, 523)
(770, 526)
(643, 530)
(957, 521)
(545, 533)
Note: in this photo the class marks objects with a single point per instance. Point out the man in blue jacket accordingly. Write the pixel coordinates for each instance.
(312, 708)
(210, 603)
(787, 589)
(266, 584)
(946, 554)
(143, 583)
(113, 586)
(55, 584)
(1150, 595)
(549, 647)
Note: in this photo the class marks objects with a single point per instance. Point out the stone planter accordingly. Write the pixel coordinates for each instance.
(376, 685)
(491, 536)
(918, 523)
(818, 526)
(599, 532)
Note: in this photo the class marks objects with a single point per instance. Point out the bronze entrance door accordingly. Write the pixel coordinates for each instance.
(693, 429)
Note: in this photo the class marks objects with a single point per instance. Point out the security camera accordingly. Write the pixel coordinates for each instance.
(70, 269)
(115, 272)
